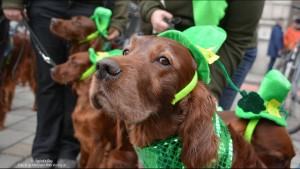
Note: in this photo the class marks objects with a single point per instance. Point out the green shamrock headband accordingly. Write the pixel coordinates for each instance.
(101, 17)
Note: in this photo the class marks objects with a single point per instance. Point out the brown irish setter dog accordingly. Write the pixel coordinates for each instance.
(270, 141)
(139, 88)
(19, 68)
(74, 30)
(104, 142)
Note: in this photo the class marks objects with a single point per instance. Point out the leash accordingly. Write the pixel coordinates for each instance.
(20, 54)
(38, 45)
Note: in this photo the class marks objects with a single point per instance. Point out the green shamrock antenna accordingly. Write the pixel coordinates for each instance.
(250, 102)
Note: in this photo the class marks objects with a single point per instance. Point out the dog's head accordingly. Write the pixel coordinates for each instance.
(72, 69)
(274, 148)
(143, 81)
(75, 29)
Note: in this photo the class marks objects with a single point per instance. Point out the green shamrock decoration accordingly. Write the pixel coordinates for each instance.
(252, 102)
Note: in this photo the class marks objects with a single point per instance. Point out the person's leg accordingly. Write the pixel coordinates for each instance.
(67, 142)
(271, 63)
(238, 78)
(50, 95)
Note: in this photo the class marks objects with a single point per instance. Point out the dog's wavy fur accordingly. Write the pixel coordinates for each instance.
(139, 88)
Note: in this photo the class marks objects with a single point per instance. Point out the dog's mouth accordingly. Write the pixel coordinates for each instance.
(59, 80)
(95, 101)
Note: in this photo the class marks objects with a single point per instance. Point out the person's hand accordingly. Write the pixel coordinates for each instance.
(13, 14)
(157, 20)
(113, 34)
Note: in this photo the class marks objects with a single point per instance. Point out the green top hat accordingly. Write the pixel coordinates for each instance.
(273, 90)
(203, 42)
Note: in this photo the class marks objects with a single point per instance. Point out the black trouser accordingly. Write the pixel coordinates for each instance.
(54, 135)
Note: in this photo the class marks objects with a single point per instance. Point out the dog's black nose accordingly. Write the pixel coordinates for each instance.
(53, 21)
(107, 68)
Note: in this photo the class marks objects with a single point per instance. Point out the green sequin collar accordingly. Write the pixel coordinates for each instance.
(167, 153)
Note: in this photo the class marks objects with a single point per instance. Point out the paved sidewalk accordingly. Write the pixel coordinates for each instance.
(16, 140)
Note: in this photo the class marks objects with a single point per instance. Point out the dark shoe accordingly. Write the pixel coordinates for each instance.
(65, 163)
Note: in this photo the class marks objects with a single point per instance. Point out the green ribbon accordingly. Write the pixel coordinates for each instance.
(88, 72)
(94, 58)
(186, 90)
(89, 37)
(250, 129)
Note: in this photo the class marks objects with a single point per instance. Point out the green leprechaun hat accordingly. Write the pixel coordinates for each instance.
(273, 90)
(203, 42)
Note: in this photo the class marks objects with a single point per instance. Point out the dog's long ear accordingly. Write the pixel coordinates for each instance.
(200, 143)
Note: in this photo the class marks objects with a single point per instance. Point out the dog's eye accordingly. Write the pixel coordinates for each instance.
(77, 22)
(73, 62)
(125, 52)
(280, 161)
(163, 60)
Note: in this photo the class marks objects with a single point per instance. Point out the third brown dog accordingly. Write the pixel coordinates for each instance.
(75, 31)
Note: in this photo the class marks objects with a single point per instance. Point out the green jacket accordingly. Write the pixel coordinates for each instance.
(119, 12)
(240, 22)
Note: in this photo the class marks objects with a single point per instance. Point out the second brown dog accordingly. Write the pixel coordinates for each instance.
(104, 142)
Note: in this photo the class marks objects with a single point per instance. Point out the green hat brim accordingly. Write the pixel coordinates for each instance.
(264, 114)
(207, 37)
(203, 69)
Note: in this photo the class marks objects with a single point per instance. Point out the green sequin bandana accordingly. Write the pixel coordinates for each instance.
(167, 153)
